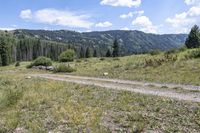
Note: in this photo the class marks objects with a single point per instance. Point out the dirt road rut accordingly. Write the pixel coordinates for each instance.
(189, 93)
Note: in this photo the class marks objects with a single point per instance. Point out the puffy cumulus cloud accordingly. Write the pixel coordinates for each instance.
(131, 14)
(104, 24)
(57, 17)
(122, 3)
(194, 11)
(144, 24)
(182, 22)
(26, 14)
(192, 2)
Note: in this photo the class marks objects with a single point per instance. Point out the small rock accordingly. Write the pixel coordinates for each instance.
(19, 130)
(50, 68)
(42, 67)
(28, 77)
(105, 74)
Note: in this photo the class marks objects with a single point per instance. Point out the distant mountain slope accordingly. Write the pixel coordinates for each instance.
(130, 41)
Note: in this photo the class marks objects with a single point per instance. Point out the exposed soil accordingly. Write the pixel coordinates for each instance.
(133, 86)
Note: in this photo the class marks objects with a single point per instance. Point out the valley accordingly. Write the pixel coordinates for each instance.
(86, 100)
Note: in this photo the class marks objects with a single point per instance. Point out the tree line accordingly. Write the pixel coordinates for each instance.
(24, 48)
(92, 52)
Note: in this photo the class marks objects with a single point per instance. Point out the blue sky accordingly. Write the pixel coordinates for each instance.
(152, 16)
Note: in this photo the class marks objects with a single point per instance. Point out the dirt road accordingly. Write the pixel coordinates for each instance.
(188, 93)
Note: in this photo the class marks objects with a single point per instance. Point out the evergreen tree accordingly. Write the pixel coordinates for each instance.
(82, 53)
(108, 53)
(193, 40)
(95, 53)
(0, 61)
(4, 51)
(115, 48)
(88, 53)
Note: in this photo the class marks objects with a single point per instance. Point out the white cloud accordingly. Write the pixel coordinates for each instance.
(125, 28)
(192, 2)
(122, 3)
(26, 14)
(131, 14)
(194, 11)
(182, 22)
(7, 28)
(104, 24)
(144, 24)
(57, 17)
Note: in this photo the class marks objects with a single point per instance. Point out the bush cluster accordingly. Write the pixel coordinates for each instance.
(172, 51)
(64, 68)
(155, 52)
(41, 61)
(102, 59)
(157, 62)
(67, 56)
(193, 54)
(17, 64)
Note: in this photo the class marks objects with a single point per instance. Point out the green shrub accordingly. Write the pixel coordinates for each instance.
(183, 48)
(102, 59)
(64, 68)
(155, 52)
(154, 62)
(41, 61)
(67, 56)
(172, 51)
(17, 64)
(29, 66)
(116, 58)
(78, 60)
(195, 53)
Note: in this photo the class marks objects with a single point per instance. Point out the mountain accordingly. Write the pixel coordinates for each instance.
(131, 42)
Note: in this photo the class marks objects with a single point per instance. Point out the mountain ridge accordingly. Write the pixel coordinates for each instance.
(131, 42)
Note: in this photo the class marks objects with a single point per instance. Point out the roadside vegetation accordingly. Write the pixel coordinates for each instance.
(38, 105)
(179, 67)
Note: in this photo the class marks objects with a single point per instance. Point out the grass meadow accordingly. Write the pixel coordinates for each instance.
(39, 105)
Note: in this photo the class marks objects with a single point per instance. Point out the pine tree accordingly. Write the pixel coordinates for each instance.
(95, 53)
(82, 53)
(4, 52)
(88, 53)
(115, 49)
(108, 53)
(193, 40)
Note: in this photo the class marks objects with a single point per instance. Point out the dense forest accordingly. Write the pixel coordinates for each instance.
(27, 45)
(26, 49)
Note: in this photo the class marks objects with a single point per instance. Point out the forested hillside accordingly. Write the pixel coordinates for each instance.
(26, 45)
(27, 48)
(131, 42)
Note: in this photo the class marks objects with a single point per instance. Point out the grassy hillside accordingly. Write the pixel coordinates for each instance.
(37, 105)
(182, 70)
